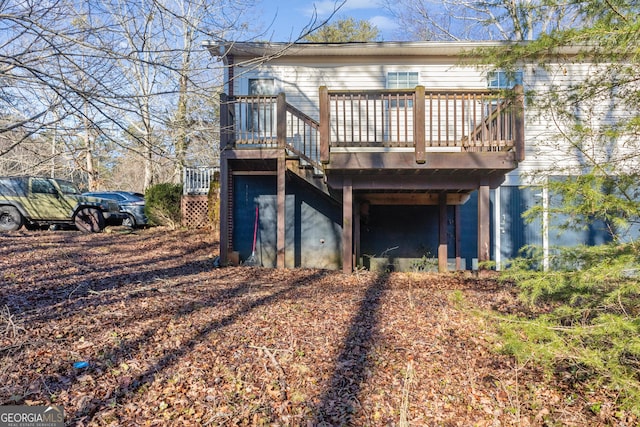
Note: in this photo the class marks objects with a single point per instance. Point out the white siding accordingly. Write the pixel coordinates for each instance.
(549, 144)
(301, 82)
(546, 149)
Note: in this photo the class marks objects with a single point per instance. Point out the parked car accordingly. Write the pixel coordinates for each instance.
(131, 204)
(37, 201)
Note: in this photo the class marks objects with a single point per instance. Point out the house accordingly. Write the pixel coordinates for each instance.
(393, 154)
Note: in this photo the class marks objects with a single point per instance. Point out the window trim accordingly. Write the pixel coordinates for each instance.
(503, 80)
(397, 72)
(400, 104)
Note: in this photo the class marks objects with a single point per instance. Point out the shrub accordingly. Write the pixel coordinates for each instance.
(213, 201)
(585, 317)
(162, 204)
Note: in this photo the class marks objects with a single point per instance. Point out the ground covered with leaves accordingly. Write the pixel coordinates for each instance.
(170, 340)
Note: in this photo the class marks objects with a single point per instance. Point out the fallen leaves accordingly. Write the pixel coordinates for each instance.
(170, 340)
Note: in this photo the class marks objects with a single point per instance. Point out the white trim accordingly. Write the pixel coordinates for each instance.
(545, 228)
(402, 70)
(244, 77)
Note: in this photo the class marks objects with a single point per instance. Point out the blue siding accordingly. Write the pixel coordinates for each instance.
(514, 231)
(469, 230)
(593, 233)
(400, 232)
(314, 228)
(313, 223)
(249, 192)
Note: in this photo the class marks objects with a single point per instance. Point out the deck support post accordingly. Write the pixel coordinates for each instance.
(356, 234)
(458, 236)
(442, 232)
(484, 236)
(225, 211)
(281, 218)
(347, 225)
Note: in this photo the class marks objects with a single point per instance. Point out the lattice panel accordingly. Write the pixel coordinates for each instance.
(195, 211)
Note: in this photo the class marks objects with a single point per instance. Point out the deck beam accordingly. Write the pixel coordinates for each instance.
(438, 160)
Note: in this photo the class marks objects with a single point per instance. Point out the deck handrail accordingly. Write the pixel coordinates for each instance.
(424, 119)
(269, 121)
(197, 180)
(303, 136)
(458, 119)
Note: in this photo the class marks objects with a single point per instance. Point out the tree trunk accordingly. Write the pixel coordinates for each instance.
(148, 168)
(89, 146)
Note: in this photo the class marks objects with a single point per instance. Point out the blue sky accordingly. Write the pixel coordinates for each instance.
(289, 17)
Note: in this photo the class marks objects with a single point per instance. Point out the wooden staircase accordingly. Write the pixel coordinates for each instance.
(302, 154)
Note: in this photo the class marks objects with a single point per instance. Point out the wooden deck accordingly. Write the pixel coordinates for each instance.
(418, 145)
(373, 126)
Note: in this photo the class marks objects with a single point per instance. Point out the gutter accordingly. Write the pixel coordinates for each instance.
(406, 49)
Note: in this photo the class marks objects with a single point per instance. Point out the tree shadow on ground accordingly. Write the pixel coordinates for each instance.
(339, 402)
(66, 282)
(169, 360)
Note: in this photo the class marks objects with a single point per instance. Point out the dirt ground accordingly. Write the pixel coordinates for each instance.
(171, 340)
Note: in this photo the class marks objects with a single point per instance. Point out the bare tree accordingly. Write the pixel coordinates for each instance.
(87, 84)
(480, 20)
(53, 79)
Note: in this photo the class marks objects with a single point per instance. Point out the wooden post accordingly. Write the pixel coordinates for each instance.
(519, 123)
(484, 236)
(356, 234)
(281, 119)
(225, 139)
(281, 135)
(281, 214)
(456, 213)
(419, 125)
(324, 124)
(225, 211)
(442, 232)
(347, 225)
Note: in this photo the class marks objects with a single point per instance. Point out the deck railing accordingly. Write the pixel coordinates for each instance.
(438, 120)
(197, 180)
(268, 121)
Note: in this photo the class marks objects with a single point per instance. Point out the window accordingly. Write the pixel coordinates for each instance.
(13, 187)
(42, 186)
(260, 115)
(402, 80)
(67, 187)
(504, 79)
(261, 87)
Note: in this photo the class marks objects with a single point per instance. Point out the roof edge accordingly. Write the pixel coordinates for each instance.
(424, 48)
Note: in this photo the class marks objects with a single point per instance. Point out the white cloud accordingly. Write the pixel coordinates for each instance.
(327, 7)
(383, 23)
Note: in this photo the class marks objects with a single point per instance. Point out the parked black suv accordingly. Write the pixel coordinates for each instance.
(37, 201)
